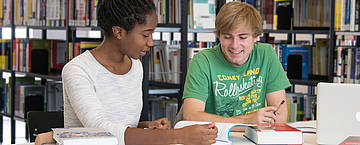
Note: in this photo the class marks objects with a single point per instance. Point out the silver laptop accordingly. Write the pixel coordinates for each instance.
(338, 112)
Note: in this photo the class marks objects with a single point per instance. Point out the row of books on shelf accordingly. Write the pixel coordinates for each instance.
(313, 13)
(49, 12)
(301, 107)
(32, 55)
(162, 106)
(84, 12)
(347, 65)
(201, 14)
(346, 15)
(293, 14)
(41, 56)
(38, 56)
(300, 61)
(30, 96)
(165, 62)
(168, 11)
(76, 48)
(165, 59)
(36, 12)
(277, 14)
(347, 62)
(5, 12)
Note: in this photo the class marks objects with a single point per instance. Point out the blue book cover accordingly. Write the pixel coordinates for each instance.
(297, 50)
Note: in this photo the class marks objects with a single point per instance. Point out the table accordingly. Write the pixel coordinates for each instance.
(237, 138)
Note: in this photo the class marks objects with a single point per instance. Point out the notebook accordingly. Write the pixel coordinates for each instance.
(338, 112)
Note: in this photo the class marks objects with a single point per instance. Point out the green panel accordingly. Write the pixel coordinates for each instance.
(211, 8)
(200, 1)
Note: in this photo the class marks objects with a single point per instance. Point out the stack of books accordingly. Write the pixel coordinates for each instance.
(278, 133)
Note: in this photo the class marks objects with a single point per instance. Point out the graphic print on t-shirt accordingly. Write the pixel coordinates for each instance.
(239, 93)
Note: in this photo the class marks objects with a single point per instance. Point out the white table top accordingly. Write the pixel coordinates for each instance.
(237, 138)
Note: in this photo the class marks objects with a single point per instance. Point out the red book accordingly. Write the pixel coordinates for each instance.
(351, 140)
(278, 133)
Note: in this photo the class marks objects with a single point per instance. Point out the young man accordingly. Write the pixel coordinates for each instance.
(103, 87)
(234, 81)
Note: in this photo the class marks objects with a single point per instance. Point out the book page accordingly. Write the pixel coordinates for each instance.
(224, 130)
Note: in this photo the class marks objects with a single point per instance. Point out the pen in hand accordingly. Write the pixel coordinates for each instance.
(277, 109)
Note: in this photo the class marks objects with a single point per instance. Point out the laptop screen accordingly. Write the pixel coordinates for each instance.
(338, 112)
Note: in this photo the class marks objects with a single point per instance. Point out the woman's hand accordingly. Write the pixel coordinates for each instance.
(162, 123)
(46, 137)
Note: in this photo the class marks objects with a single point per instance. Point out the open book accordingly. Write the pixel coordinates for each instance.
(83, 136)
(223, 129)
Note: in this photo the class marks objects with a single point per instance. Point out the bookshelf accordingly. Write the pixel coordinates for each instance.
(170, 89)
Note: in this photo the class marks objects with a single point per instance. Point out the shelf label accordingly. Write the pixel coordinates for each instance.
(20, 32)
(87, 33)
(6, 33)
(35, 33)
(56, 34)
(207, 37)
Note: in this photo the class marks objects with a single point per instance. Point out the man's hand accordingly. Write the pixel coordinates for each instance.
(162, 123)
(205, 134)
(46, 137)
(263, 115)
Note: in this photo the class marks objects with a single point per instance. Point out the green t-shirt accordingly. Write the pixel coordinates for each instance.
(231, 90)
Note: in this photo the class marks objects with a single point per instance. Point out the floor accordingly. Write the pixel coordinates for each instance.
(20, 132)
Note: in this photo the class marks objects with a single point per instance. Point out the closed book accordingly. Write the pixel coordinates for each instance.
(83, 136)
(283, 15)
(298, 64)
(278, 133)
(351, 140)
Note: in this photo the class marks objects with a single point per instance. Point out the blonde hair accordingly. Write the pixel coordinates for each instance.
(237, 14)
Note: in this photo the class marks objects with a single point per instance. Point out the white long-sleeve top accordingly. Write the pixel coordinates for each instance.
(95, 97)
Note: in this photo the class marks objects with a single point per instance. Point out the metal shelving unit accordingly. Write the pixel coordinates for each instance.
(163, 91)
(5, 114)
(42, 30)
(48, 77)
(297, 31)
(168, 87)
(304, 82)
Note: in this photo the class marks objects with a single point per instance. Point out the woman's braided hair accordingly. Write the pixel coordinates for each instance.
(123, 13)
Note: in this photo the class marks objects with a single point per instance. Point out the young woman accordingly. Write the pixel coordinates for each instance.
(103, 87)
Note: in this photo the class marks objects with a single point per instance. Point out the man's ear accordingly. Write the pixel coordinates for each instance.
(118, 32)
(257, 39)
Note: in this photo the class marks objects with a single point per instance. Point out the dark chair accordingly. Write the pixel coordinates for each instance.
(179, 116)
(40, 122)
